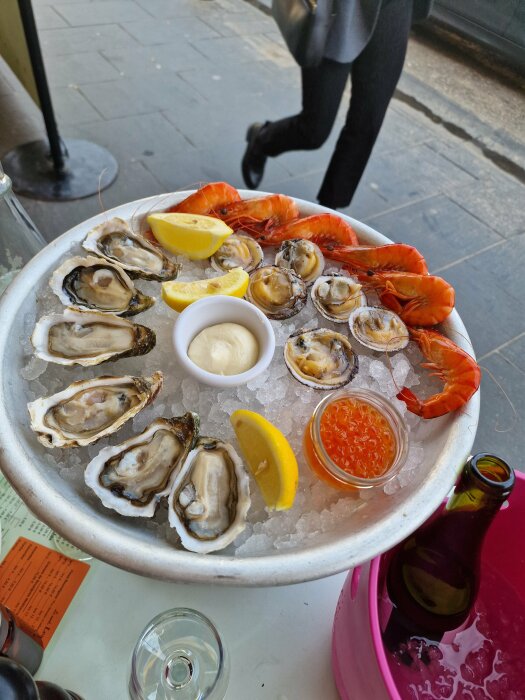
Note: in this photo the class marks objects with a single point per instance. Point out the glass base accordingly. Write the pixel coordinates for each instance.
(179, 656)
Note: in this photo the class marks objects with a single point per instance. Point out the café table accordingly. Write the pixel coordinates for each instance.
(279, 639)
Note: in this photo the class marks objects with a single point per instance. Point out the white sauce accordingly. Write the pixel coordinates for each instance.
(226, 349)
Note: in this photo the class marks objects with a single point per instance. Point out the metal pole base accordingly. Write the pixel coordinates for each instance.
(88, 169)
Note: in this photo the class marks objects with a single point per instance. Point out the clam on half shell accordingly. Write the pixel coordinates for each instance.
(378, 329)
(238, 250)
(303, 257)
(336, 296)
(277, 291)
(115, 241)
(93, 283)
(320, 358)
(89, 338)
(132, 477)
(210, 497)
(89, 409)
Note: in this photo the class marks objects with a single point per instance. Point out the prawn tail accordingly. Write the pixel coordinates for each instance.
(414, 405)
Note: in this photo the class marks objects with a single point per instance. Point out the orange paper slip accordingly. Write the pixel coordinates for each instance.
(37, 584)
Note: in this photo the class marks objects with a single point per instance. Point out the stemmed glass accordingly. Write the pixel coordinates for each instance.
(179, 656)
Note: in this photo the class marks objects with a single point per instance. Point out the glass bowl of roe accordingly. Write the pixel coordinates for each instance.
(356, 438)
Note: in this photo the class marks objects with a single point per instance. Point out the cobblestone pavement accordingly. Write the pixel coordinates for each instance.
(169, 88)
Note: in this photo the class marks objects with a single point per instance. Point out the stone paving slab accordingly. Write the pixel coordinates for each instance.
(438, 227)
(76, 40)
(168, 31)
(107, 12)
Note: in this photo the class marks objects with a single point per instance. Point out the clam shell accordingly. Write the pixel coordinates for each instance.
(288, 289)
(49, 415)
(65, 282)
(378, 329)
(320, 358)
(303, 257)
(123, 487)
(238, 250)
(333, 310)
(115, 241)
(110, 337)
(208, 518)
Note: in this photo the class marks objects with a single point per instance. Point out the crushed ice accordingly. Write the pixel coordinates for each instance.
(318, 509)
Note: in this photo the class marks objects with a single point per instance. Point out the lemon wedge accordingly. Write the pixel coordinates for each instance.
(193, 235)
(179, 295)
(269, 456)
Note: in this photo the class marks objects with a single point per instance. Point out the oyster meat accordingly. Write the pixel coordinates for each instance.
(238, 250)
(132, 477)
(336, 296)
(277, 291)
(378, 329)
(320, 358)
(92, 283)
(210, 497)
(89, 409)
(115, 241)
(303, 257)
(88, 338)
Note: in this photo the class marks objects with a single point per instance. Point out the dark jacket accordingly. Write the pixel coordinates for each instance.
(354, 23)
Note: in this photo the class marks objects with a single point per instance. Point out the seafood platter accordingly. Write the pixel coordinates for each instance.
(112, 443)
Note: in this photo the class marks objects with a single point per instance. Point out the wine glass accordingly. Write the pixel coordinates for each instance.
(179, 656)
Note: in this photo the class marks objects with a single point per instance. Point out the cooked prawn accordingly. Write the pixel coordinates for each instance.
(458, 370)
(394, 256)
(259, 214)
(420, 300)
(208, 199)
(323, 229)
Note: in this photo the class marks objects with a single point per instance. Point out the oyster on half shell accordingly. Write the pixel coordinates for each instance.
(92, 283)
(88, 338)
(320, 358)
(115, 241)
(132, 477)
(336, 296)
(378, 329)
(277, 291)
(238, 250)
(210, 497)
(303, 257)
(89, 409)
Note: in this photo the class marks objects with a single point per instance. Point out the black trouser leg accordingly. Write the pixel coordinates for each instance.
(322, 89)
(375, 73)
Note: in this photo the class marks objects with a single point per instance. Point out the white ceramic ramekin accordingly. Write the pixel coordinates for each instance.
(222, 309)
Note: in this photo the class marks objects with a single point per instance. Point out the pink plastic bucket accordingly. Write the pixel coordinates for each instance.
(359, 662)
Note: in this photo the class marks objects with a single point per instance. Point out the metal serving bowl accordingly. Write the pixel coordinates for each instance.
(385, 521)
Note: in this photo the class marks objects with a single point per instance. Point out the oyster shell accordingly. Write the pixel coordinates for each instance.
(210, 497)
(336, 296)
(92, 283)
(378, 329)
(320, 358)
(88, 338)
(115, 241)
(302, 256)
(277, 291)
(238, 250)
(132, 477)
(89, 409)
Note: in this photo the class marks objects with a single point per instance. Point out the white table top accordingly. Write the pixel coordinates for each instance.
(279, 639)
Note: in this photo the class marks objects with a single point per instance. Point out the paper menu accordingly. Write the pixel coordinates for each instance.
(37, 583)
(17, 520)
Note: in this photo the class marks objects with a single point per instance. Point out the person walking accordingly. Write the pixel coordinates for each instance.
(368, 40)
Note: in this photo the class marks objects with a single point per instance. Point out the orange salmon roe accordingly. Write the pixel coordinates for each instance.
(357, 438)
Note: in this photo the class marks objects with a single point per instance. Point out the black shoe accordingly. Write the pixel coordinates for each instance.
(254, 160)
